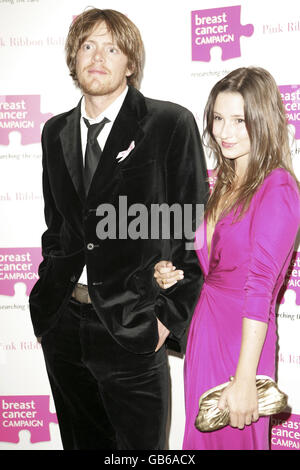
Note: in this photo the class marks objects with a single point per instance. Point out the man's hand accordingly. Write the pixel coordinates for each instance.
(163, 333)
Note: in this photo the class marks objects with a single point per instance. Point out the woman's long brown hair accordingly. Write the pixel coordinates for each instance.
(266, 123)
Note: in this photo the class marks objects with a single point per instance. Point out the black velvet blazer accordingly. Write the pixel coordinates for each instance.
(166, 165)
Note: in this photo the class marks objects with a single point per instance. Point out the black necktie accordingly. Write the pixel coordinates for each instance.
(93, 151)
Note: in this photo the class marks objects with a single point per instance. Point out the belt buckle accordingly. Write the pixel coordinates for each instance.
(81, 294)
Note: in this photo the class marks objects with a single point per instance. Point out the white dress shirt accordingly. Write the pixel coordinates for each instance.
(110, 113)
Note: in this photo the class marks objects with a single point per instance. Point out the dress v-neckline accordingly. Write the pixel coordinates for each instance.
(208, 252)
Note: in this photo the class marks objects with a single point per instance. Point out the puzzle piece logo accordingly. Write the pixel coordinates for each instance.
(18, 265)
(285, 434)
(21, 113)
(218, 27)
(25, 413)
(292, 279)
(290, 95)
(212, 178)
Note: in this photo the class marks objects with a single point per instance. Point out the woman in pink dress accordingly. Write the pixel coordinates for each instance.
(244, 247)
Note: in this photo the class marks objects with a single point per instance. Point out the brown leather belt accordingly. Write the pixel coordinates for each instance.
(81, 294)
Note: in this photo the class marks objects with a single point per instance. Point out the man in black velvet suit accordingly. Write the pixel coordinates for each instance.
(104, 323)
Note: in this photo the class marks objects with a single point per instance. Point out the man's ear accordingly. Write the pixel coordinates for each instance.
(129, 72)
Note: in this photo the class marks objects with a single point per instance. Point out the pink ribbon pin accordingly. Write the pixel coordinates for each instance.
(122, 155)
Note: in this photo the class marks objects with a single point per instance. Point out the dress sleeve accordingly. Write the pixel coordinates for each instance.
(275, 225)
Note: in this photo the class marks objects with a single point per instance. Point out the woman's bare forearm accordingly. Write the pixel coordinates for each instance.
(253, 337)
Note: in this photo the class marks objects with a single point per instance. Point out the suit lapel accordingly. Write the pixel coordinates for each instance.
(126, 129)
(70, 137)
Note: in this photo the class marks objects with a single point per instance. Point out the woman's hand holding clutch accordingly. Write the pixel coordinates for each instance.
(240, 397)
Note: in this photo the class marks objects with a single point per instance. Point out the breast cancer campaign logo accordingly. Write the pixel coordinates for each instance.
(18, 265)
(290, 95)
(285, 431)
(292, 279)
(29, 413)
(212, 178)
(218, 27)
(21, 113)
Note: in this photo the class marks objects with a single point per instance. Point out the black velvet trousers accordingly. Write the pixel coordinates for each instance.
(105, 396)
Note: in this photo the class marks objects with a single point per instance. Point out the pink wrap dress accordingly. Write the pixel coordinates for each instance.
(243, 275)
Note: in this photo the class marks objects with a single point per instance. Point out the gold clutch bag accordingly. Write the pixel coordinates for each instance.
(210, 418)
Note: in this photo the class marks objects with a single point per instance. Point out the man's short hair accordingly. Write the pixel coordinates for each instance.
(123, 31)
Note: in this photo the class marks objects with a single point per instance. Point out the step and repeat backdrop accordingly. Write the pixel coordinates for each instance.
(189, 46)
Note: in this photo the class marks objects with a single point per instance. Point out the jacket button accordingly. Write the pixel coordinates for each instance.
(90, 246)
(73, 279)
